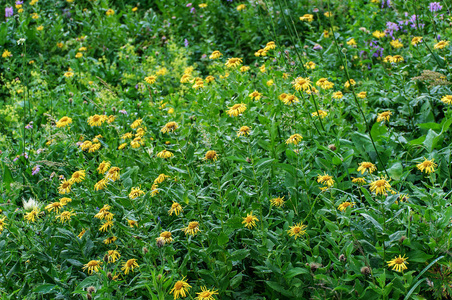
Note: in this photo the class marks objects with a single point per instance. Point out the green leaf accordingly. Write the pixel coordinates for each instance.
(223, 239)
(373, 221)
(434, 126)
(430, 140)
(294, 272)
(395, 171)
(280, 289)
(377, 131)
(239, 255)
(44, 288)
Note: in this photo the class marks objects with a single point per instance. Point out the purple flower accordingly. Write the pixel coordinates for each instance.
(19, 2)
(123, 111)
(35, 170)
(388, 3)
(186, 43)
(9, 12)
(25, 155)
(317, 47)
(136, 86)
(192, 10)
(16, 158)
(188, 5)
(29, 126)
(435, 6)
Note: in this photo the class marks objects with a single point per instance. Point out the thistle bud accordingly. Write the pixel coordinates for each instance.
(365, 270)
(332, 147)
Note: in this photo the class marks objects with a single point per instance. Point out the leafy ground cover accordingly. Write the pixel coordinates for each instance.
(225, 149)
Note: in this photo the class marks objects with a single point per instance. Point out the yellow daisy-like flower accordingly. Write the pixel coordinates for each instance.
(129, 266)
(78, 176)
(349, 82)
(397, 58)
(310, 65)
(166, 235)
(169, 127)
(279, 202)
(106, 226)
(68, 74)
(113, 256)
(132, 223)
(270, 46)
(110, 12)
(362, 95)
(180, 289)
(260, 52)
(447, 99)
(176, 208)
(113, 174)
(92, 265)
(262, 68)
(151, 79)
(122, 146)
(6, 54)
(32, 215)
(324, 84)
(233, 62)
(380, 186)
(328, 14)
(244, 131)
(398, 263)
(110, 240)
(103, 167)
(301, 83)
(86, 145)
(55, 206)
(384, 116)
(65, 187)
(94, 147)
(161, 178)
(210, 79)
(215, 54)
(416, 40)
(351, 42)
(427, 166)
(378, 34)
(325, 179)
(65, 216)
(359, 180)
(338, 95)
(206, 294)
(307, 18)
(211, 155)
(97, 120)
(101, 214)
(81, 234)
(297, 230)
(289, 99)
(250, 220)
(366, 166)
(135, 193)
(441, 45)
(243, 69)
(241, 7)
(320, 113)
(192, 228)
(2, 224)
(396, 44)
(185, 78)
(294, 139)
(255, 95)
(79, 55)
(165, 154)
(64, 121)
(236, 109)
(136, 123)
(101, 184)
(343, 206)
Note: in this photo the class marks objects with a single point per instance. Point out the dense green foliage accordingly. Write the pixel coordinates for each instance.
(221, 146)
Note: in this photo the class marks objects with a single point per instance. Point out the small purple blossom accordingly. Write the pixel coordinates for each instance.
(123, 111)
(387, 2)
(186, 43)
(29, 126)
(188, 5)
(317, 47)
(9, 12)
(136, 86)
(16, 158)
(19, 2)
(35, 170)
(192, 10)
(78, 144)
(435, 6)
(25, 155)
(315, 10)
